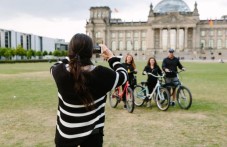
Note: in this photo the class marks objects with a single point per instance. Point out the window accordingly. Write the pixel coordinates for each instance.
(203, 33)
(128, 34)
(202, 44)
(113, 35)
(219, 44)
(120, 34)
(211, 44)
(219, 32)
(129, 45)
(95, 14)
(211, 33)
(143, 45)
(136, 45)
(98, 35)
(113, 45)
(144, 34)
(121, 47)
(136, 34)
(99, 14)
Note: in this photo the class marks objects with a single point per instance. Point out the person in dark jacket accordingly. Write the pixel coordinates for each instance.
(151, 67)
(130, 67)
(82, 89)
(169, 66)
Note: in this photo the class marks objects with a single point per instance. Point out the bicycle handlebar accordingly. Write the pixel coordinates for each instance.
(148, 73)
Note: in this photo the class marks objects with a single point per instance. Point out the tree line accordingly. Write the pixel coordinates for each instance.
(9, 53)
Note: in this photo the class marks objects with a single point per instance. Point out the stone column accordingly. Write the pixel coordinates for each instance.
(140, 40)
(104, 37)
(124, 41)
(117, 39)
(177, 38)
(194, 39)
(168, 39)
(185, 38)
(152, 39)
(160, 42)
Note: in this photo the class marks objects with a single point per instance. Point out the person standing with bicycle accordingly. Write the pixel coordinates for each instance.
(151, 67)
(130, 67)
(82, 89)
(169, 66)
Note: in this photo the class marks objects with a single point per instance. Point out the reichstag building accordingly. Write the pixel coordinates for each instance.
(170, 24)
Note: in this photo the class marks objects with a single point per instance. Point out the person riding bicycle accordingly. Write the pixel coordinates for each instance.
(151, 67)
(130, 67)
(169, 66)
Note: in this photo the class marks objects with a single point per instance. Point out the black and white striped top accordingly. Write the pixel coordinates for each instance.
(74, 122)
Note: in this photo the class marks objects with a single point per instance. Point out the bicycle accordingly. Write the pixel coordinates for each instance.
(116, 97)
(159, 94)
(183, 94)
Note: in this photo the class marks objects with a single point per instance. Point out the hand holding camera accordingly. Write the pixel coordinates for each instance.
(106, 52)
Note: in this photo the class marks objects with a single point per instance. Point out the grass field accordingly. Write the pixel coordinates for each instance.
(28, 104)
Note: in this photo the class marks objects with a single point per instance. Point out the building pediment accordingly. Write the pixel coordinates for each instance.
(174, 18)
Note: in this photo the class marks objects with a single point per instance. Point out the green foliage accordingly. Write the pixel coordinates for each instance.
(57, 53)
(29, 54)
(45, 53)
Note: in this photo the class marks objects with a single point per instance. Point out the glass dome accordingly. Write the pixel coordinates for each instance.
(171, 6)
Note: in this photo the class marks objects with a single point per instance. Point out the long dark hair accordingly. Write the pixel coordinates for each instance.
(132, 62)
(155, 62)
(80, 53)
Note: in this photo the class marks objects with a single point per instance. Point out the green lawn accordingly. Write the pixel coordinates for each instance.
(28, 104)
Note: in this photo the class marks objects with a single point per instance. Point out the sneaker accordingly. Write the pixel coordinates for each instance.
(125, 107)
(172, 103)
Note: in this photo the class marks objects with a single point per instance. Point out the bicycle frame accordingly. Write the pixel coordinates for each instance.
(122, 92)
(156, 86)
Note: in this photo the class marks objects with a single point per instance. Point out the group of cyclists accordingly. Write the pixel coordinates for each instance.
(169, 67)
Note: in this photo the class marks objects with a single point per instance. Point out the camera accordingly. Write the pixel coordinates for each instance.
(97, 49)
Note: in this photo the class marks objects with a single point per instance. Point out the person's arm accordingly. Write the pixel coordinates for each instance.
(114, 62)
(179, 65)
(144, 70)
(121, 73)
(164, 68)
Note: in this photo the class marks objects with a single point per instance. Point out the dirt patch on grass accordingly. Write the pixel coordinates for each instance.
(41, 74)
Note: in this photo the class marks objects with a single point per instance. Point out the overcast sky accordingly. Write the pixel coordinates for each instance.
(63, 18)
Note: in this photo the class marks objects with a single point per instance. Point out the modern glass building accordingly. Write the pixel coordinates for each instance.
(170, 24)
(11, 39)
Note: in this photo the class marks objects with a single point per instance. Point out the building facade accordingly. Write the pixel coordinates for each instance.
(170, 24)
(11, 39)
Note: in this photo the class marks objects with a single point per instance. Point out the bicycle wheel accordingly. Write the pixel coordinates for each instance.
(139, 95)
(184, 97)
(113, 98)
(163, 99)
(130, 100)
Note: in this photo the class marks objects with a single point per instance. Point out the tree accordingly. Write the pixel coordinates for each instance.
(45, 53)
(57, 53)
(20, 51)
(39, 54)
(2, 52)
(50, 53)
(29, 54)
(63, 53)
(8, 53)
